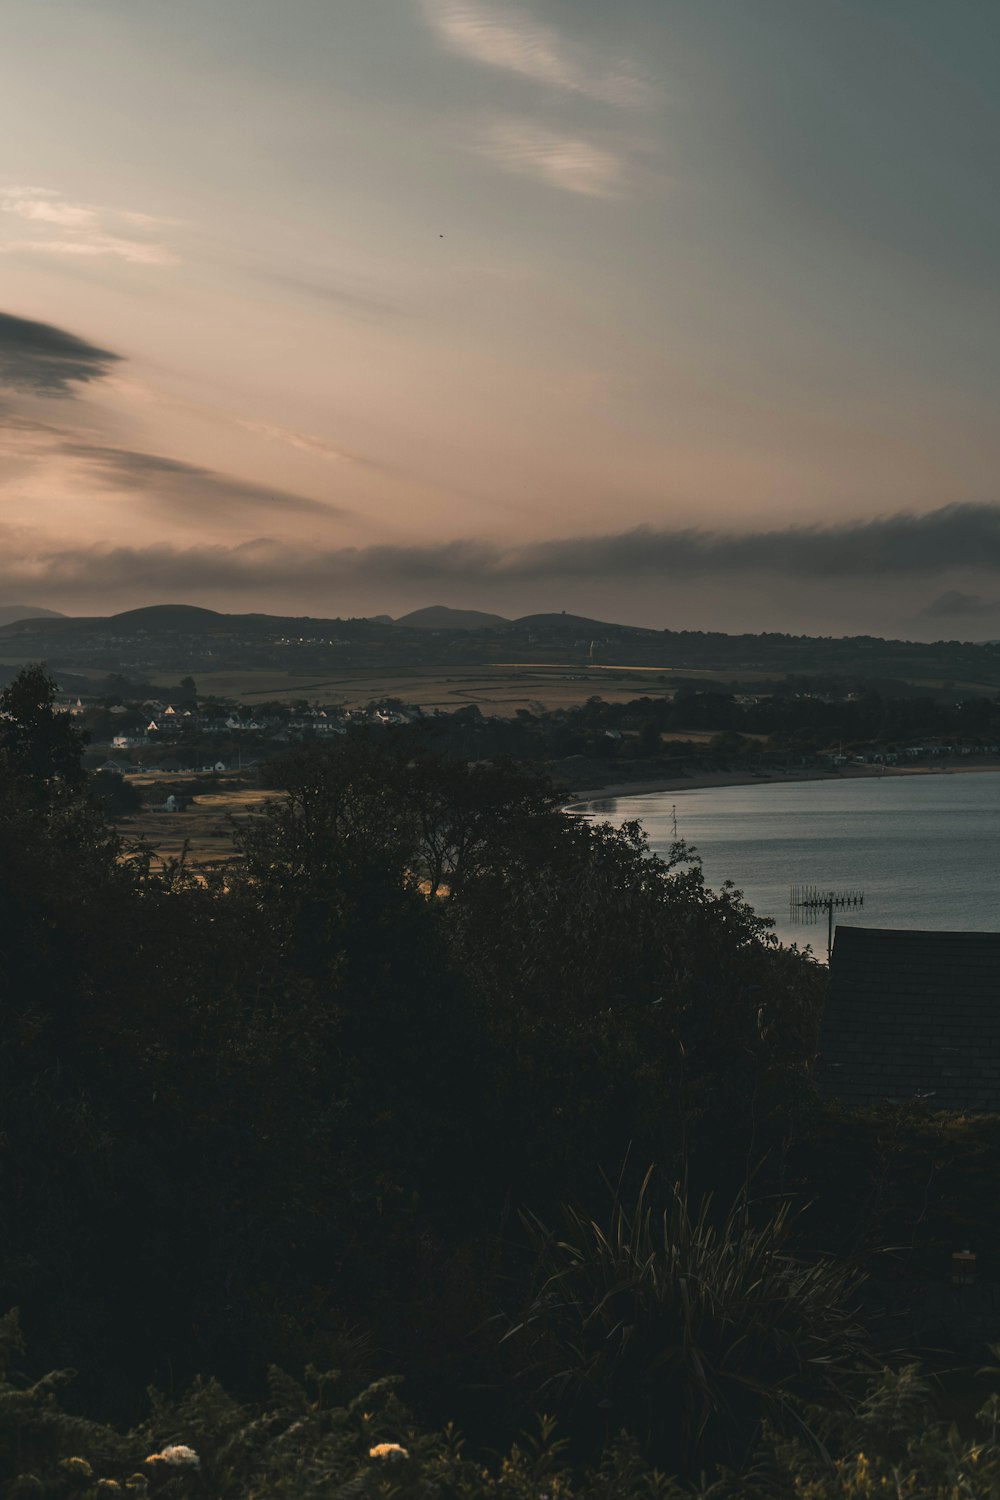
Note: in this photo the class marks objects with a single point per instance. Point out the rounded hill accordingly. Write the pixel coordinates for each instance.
(440, 617)
(11, 614)
(189, 617)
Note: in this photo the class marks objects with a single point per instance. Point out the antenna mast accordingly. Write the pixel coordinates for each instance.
(807, 903)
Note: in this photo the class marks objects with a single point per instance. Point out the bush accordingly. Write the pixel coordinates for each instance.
(306, 1441)
(115, 796)
(685, 1330)
(324, 1439)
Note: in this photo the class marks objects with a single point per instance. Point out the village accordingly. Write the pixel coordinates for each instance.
(189, 734)
(155, 735)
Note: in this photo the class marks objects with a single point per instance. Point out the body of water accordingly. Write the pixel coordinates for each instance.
(924, 849)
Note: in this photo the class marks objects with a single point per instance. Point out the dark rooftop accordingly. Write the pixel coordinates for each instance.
(913, 1014)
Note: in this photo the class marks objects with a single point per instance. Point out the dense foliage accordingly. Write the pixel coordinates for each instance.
(319, 1109)
(313, 1440)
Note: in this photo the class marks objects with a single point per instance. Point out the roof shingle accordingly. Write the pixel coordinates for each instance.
(913, 1014)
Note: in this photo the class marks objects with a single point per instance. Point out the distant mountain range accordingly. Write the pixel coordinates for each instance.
(182, 638)
(9, 613)
(191, 619)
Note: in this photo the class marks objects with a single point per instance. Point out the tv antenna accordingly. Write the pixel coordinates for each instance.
(807, 903)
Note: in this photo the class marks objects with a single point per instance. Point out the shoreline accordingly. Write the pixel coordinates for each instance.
(614, 791)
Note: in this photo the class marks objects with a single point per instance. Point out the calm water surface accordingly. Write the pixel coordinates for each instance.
(925, 849)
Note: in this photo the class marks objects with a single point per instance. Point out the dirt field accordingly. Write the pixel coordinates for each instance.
(205, 826)
(498, 690)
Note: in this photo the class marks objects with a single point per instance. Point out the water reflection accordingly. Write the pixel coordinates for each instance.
(924, 849)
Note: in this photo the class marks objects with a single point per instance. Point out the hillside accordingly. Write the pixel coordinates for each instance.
(173, 638)
(440, 617)
(562, 623)
(9, 613)
(169, 617)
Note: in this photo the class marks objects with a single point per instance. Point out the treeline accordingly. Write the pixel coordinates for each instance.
(383, 1098)
(867, 716)
(780, 723)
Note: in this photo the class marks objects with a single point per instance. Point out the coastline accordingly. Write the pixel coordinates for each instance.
(613, 791)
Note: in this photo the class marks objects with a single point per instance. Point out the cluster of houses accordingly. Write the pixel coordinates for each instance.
(238, 735)
(909, 752)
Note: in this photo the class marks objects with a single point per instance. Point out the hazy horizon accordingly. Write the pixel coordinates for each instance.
(929, 638)
(681, 316)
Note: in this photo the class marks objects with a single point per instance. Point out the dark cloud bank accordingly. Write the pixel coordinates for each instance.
(39, 359)
(897, 548)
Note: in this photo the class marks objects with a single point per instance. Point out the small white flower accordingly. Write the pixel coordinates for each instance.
(390, 1451)
(178, 1456)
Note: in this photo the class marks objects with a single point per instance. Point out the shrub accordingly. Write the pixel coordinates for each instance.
(684, 1329)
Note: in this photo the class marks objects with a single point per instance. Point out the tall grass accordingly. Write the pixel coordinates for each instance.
(685, 1327)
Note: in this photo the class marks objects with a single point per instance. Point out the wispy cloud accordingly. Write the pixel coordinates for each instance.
(40, 359)
(303, 442)
(511, 39)
(80, 229)
(562, 161)
(131, 391)
(359, 302)
(189, 490)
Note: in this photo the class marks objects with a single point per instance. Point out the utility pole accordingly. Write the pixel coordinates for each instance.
(807, 903)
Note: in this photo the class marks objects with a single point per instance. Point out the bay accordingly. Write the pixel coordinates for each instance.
(924, 849)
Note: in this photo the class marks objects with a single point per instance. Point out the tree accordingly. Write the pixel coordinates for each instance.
(309, 1094)
(728, 743)
(36, 741)
(649, 741)
(115, 796)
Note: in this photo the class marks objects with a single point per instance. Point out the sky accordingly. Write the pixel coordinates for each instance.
(676, 312)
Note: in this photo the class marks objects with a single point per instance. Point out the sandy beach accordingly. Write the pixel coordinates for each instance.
(700, 782)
